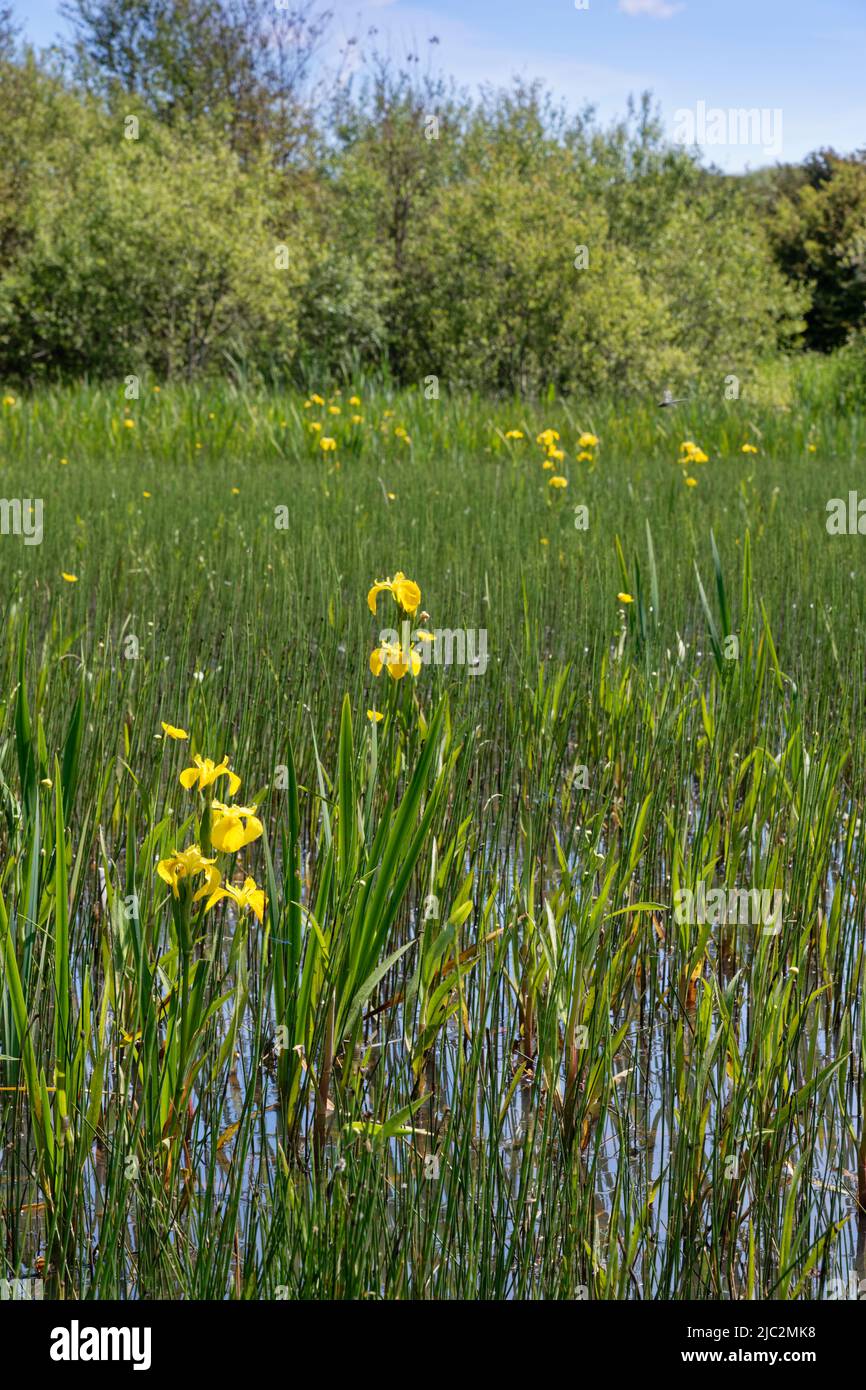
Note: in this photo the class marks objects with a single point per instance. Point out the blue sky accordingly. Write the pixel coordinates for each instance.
(803, 59)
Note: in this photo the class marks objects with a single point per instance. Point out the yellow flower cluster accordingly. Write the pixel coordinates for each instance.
(229, 828)
(328, 443)
(586, 443)
(554, 455)
(691, 454)
(403, 656)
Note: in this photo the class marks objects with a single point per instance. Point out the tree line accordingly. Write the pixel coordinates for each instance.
(209, 186)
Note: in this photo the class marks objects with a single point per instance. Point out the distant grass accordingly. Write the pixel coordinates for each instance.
(471, 1052)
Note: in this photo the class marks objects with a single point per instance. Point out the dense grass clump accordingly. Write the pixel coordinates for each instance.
(470, 1049)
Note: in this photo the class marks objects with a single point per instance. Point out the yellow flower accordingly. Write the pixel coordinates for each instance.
(129, 424)
(205, 772)
(813, 448)
(185, 864)
(514, 434)
(236, 492)
(249, 896)
(557, 481)
(625, 598)
(547, 437)
(585, 457)
(556, 454)
(145, 494)
(405, 591)
(354, 400)
(549, 463)
(357, 419)
(692, 454)
(327, 444)
(749, 449)
(171, 731)
(395, 660)
(70, 578)
(375, 716)
(691, 482)
(334, 410)
(233, 827)
(587, 441)
(64, 460)
(315, 426)
(317, 400)
(544, 540)
(8, 400)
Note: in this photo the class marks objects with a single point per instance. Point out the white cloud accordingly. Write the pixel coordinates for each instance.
(654, 9)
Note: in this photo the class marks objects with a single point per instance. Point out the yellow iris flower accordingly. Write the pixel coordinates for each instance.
(205, 772)
(587, 441)
(184, 864)
(233, 827)
(395, 660)
(405, 591)
(692, 453)
(171, 731)
(249, 896)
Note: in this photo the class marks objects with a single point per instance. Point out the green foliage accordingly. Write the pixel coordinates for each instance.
(500, 245)
(819, 232)
(157, 252)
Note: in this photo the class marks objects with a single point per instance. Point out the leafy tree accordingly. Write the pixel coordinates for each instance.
(242, 64)
(819, 234)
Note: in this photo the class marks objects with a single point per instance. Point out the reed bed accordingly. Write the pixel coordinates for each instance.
(470, 1049)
